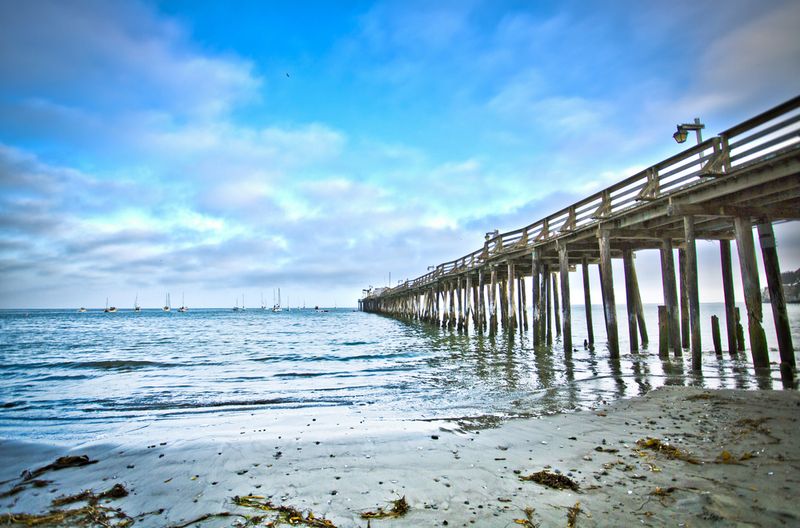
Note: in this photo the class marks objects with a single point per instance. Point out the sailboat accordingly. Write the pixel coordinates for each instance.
(277, 306)
(263, 306)
(236, 305)
(243, 308)
(109, 309)
(136, 307)
(183, 307)
(167, 307)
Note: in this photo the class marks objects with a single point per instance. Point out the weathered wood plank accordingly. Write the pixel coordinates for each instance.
(609, 307)
(752, 291)
(727, 291)
(587, 300)
(630, 300)
(693, 293)
(769, 253)
(565, 300)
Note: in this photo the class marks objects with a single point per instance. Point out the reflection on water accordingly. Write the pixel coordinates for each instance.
(68, 375)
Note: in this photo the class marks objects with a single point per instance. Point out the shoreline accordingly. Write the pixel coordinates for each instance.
(454, 476)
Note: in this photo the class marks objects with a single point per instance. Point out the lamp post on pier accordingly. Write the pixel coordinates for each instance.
(683, 131)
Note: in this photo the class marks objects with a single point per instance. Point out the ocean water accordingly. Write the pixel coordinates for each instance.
(68, 376)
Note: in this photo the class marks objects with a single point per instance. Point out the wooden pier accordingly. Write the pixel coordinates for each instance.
(749, 175)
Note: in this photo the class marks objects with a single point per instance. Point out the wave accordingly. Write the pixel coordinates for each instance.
(111, 364)
(169, 405)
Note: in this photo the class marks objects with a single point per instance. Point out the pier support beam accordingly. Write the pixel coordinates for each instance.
(630, 300)
(504, 304)
(493, 302)
(563, 262)
(769, 253)
(481, 302)
(670, 295)
(727, 289)
(468, 309)
(460, 305)
(547, 287)
(523, 303)
(512, 299)
(692, 291)
(684, 298)
(556, 308)
(537, 299)
(587, 300)
(752, 291)
(609, 307)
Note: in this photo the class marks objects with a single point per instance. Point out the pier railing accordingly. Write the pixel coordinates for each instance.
(753, 141)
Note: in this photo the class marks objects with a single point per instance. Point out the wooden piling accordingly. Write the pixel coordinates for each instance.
(609, 307)
(663, 332)
(683, 298)
(548, 288)
(752, 291)
(692, 292)
(777, 299)
(639, 307)
(512, 298)
(461, 308)
(715, 335)
(587, 300)
(727, 290)
(556, 305)
(451, 320)
(536, 298)
(504, 304)
(670, 295)
(493, 302)
(481, 303)
(523, 301)
(563, 262)
(740, 345)
(630, 301)
(468, 295)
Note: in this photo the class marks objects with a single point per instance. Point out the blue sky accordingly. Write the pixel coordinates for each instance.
(227, 148)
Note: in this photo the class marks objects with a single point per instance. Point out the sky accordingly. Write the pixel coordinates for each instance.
(218, 149)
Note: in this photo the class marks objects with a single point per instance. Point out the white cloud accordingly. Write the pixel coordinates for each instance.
(115, 54)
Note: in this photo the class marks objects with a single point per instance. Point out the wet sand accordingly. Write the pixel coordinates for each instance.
(737, 465)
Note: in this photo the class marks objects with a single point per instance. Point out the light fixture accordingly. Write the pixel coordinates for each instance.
(683, 131)
(680, 135)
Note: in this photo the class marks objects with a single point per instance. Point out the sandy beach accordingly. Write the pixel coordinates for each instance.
(718, 458)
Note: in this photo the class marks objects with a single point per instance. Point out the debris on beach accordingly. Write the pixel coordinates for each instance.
(750, 425)
(572, 515)
(726, 457)
(116, 492)
(551, 480)
(286, 514)
(703, 396)
(60, 463)
(36, 483)
(666, 449)
(528, 521)
(90, 515)
(399, 508)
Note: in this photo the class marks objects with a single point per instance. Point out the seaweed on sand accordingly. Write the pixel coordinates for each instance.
(552, 480)
(572, 515)
(60, 463)
(286, 514)
(399, 508)
(90, 515)
(666, 449)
